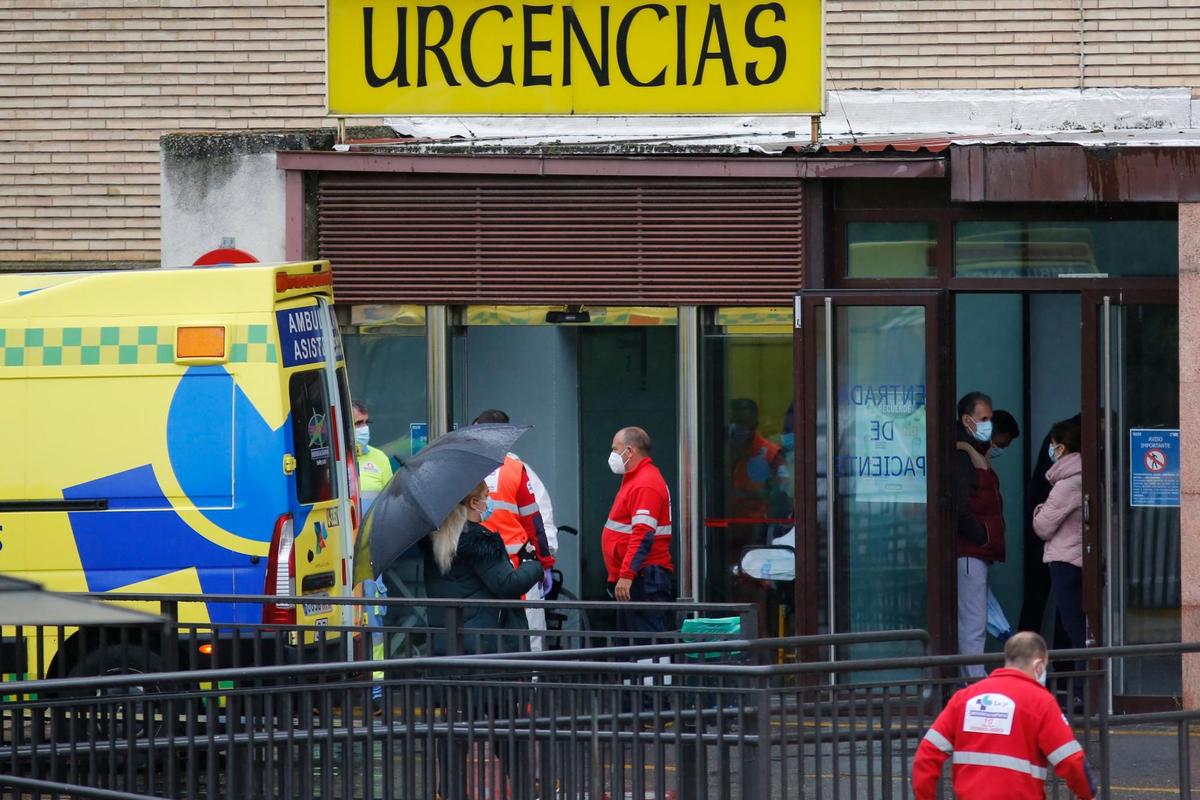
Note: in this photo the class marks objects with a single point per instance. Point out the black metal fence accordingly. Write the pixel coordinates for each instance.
(769, 718)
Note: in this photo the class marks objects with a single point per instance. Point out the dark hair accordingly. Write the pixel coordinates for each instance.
(1004, 422)
(360, 408)
(966, 406)
(1023, 648)
(1069, 434)
(636, 438)
(491, 416)
(744, 405)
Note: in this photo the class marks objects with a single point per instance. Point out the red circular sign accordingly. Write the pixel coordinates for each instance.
(1156, 460)
(224, 255)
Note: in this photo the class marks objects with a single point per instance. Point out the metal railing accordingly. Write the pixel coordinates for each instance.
(689, 720)
(226, 632)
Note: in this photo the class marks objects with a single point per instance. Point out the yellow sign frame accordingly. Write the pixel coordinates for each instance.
(574, 57)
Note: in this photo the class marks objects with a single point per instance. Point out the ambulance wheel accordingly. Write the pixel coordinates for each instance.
(124, 713)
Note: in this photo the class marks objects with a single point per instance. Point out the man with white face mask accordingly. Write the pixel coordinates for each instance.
(979, 510)
(637, 535)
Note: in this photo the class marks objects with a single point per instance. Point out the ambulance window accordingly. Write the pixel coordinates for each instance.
(313, 437)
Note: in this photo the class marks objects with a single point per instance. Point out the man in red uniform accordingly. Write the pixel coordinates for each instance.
(1003, 734)
(637, 535)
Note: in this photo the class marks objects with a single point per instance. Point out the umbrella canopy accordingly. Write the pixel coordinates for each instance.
(426, 489)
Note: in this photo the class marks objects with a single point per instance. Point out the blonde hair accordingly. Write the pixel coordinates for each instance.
(445, 538)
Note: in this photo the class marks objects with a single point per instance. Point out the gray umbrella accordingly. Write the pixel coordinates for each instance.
(426, 489)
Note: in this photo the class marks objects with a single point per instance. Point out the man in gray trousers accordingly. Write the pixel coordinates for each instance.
(979, 511)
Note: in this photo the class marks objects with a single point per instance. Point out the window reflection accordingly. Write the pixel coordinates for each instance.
(385, 356)
(1051, 249)
(747, 455)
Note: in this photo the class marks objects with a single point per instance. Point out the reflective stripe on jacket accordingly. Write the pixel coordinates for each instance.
(515, 514)
(1003, 735)
(638, 530)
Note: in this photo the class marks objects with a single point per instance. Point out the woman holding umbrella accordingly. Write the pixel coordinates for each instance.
(464, 560)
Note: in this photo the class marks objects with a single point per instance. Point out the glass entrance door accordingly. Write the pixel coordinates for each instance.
(1131, 473)
(867, 466)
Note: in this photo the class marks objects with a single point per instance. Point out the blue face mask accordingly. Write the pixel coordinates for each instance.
(1053, 453)
(487, 511)
(983, 431)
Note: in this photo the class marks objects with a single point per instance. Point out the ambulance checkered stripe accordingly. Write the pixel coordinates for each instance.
(1066, 751)
(1002, 762)
(110, 345)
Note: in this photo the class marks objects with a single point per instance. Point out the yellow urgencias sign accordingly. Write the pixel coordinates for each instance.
(574, 57)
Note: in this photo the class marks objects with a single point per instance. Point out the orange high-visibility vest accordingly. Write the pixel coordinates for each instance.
(515, 514)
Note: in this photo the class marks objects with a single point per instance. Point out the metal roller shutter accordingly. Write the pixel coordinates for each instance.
(522, 240)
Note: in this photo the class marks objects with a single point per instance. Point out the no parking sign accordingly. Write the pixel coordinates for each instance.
(1154, 468)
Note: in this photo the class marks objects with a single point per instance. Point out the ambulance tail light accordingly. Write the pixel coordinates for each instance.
(281, 573)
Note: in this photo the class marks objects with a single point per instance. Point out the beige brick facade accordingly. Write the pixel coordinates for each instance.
(88, 86)
(1012, 44)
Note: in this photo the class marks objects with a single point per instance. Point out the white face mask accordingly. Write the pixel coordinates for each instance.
(616, 463)
(983, 431)
(1041, 678)
(995, 451)
(362, 435)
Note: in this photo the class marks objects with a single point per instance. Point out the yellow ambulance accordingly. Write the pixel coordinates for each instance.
(180, 431)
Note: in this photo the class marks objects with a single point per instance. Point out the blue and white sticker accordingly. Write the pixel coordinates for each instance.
(990, 713)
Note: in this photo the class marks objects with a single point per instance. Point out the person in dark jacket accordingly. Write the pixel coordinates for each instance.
(464, 560)
(979, 511)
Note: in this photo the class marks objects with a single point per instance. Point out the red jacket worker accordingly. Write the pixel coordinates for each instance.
(637, 535)
(1003, 734)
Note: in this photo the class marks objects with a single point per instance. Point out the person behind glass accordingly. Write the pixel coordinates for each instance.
(374, 467)
(979, 513)
(1005, 431)
(1037, 572)
(1059, 523)
(466, 561)
(637, 536)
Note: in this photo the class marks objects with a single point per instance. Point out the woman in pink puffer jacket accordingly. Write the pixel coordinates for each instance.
(1059, 523)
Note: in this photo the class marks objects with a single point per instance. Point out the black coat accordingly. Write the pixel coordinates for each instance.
(481, 570)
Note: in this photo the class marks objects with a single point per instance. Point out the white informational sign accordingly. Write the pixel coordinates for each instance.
(883, 458)
(990, 713)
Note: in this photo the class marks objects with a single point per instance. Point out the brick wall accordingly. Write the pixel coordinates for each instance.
(1012, 44)
(88, 86)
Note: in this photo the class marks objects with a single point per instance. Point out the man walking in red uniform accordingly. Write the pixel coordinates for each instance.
(1003, 734)
(637, 535)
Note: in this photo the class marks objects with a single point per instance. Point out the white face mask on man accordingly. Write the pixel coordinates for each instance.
(616, 462)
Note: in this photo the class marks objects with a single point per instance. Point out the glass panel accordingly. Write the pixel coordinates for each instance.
(387, 374)
(1137, 248)
(1145, 393)
(569, 316)
(747, 456)
(989, 336)
(312, 437)
(881, 515)
(891, 249)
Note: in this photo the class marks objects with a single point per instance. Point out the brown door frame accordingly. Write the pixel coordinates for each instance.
(1095, 559)
(939, 539)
